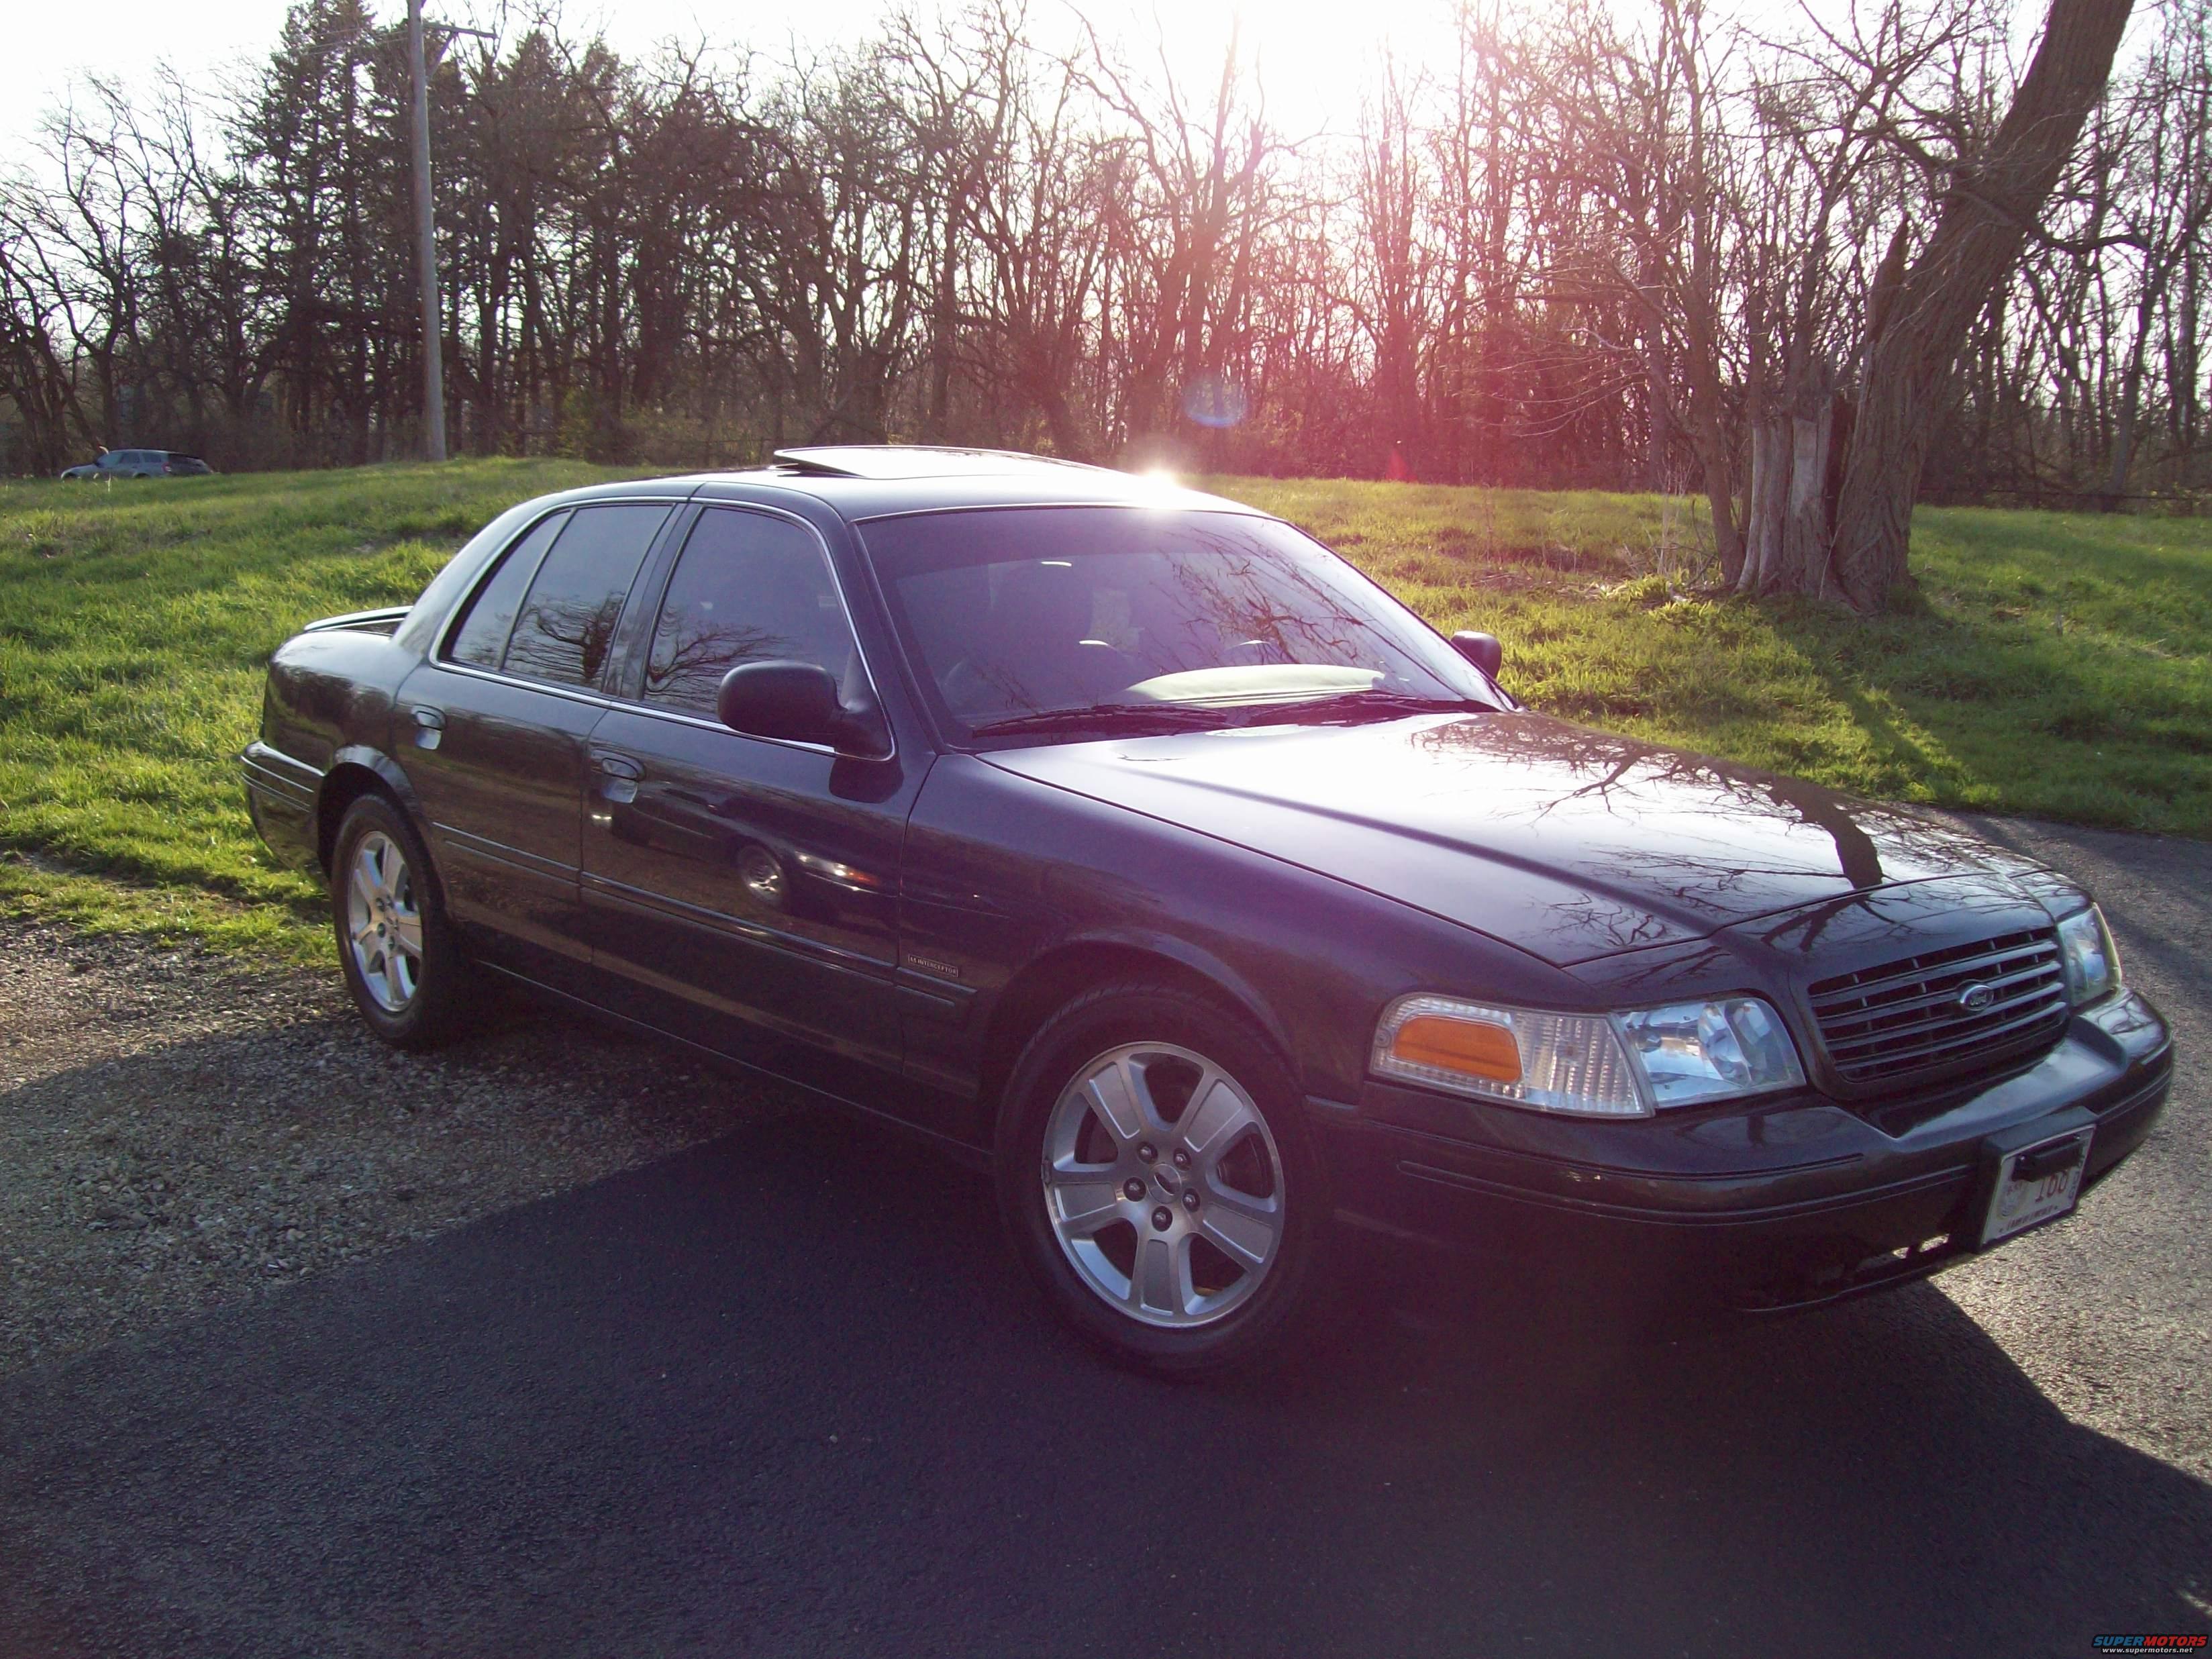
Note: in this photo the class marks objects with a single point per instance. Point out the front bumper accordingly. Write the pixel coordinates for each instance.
(1779, 1204)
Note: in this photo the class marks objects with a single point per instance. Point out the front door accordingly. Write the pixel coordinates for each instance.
(490, 732)
(743, 891)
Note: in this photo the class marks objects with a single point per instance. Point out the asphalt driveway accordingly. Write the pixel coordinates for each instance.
(784, 1392)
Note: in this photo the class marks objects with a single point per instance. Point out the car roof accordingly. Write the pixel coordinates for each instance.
(889, 461)
(870, 481)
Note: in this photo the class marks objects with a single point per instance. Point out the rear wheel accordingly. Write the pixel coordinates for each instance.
(401, 961)
(1158, 1180)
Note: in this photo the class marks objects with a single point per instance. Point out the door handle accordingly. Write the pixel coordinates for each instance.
(618, 778)
(429, 727)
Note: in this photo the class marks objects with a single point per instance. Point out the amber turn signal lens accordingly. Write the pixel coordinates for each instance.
(1470, 1048)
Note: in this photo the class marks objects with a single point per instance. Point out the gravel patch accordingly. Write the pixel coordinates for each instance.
(179, 1130)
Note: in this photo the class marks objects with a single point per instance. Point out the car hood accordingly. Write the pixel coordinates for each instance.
(1569, 843)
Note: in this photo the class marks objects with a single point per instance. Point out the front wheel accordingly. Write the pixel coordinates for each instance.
(401, 961)
(1159, 1180)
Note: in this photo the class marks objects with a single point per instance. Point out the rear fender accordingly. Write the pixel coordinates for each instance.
(343, 784)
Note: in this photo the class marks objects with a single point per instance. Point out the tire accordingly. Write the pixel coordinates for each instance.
(402, 963)
(1199, 1257)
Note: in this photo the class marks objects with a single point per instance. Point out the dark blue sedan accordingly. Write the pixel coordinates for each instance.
(1127, 839)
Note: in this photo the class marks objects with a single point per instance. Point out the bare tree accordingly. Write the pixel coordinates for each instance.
(1917, 321)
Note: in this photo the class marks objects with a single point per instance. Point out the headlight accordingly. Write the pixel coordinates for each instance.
(1626, 1066)
(2092, 962)
(1696, 1051)
(1551, 1062)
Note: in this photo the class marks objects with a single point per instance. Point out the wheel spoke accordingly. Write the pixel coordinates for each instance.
(1218, 1115)
(1151, 1121)
(1155, 1288)
(1112, 1095)
(368, 870)
(407, 933)
(1243, 1225)
(365, 880)
(1085, 1199)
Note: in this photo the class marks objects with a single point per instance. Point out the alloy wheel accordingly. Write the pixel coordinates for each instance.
(384, 925)
(1163, 1185)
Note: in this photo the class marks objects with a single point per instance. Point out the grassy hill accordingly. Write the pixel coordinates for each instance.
(2054, 665)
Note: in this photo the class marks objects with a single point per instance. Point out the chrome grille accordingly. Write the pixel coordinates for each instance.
(1905, 1017)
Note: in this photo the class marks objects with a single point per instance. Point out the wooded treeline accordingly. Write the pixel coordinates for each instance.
(1651, 250)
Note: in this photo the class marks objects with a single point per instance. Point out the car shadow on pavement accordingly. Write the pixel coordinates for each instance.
(787, 1392)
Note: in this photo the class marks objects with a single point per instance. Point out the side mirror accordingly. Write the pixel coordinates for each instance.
(798, 702)
(1482, 650)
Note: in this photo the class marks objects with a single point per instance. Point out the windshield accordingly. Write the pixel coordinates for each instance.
(1024, 618)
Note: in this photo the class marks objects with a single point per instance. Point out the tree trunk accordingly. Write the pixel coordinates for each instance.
(1983, 219)
(1805, 528)
(2131, 379)
(1787, 540)
(1770, 482)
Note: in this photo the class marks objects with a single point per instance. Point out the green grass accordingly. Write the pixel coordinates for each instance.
(2051, 665)
(135, 623)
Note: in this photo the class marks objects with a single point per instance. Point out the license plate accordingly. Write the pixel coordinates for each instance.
(2036, 1184)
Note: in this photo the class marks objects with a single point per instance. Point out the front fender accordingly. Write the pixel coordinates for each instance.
(1189, 956)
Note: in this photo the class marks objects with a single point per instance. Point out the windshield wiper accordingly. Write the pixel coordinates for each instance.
(1109, 717)
(1360, 705)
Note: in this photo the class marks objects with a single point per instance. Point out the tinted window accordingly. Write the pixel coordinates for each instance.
(482, 635)
(1035, 610)
(566, 624)
(747, 589)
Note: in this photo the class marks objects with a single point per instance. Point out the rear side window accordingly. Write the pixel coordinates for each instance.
(482, 637)
(567, 622)
(749, 588)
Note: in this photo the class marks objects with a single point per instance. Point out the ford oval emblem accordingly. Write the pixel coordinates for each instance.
(1973, 999)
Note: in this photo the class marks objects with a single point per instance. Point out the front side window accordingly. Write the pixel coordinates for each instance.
(1019, 616)
(748, 588)
(566, 627)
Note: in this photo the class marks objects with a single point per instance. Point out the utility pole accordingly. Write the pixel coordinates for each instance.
(426, 244)
(426, 247)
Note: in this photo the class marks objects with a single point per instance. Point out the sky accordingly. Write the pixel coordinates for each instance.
(1307, 64)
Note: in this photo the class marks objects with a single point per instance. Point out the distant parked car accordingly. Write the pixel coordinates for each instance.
(141, 463)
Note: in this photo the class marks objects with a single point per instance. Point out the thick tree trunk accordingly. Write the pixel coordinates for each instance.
(1786, 542)
(1913, 343)
(1805, 528)
(1770, 482)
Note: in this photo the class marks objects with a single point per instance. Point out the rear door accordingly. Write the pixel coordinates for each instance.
(491, 731)
(740, 890)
